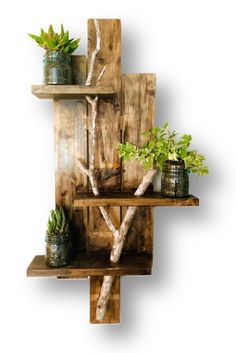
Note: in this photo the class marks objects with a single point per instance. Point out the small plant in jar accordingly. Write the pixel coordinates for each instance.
(172, 156)
(57, 59)
(58, 242)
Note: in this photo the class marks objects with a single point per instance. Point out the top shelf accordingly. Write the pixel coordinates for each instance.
(71, 91)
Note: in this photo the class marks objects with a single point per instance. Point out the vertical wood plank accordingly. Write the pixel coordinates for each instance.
(108, 135)
(110, 52)
(138, 101)
(79, 69)
(113, 307)
(70, 121)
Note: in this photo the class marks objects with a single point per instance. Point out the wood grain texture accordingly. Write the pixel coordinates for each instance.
(138, 106)
(113, 307)
(79, 69)
(128, 199)
(94, 264)
(110, 51)
(71, 91)
(107, 162)
(70, 122)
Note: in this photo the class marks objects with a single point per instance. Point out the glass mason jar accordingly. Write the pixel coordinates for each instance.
(58, 250)
(57, 69)
(174, 180)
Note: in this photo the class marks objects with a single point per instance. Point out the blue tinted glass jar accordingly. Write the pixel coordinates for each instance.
(57, 68)
(58, 250)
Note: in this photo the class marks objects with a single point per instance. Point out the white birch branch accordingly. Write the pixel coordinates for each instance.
(129, 216)
(94, 54)
(100, 76)
(118, 245)
(119, 234)
(103, 298)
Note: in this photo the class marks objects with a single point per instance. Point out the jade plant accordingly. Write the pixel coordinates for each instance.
(58, 225)
(52, 41)
(161, 145)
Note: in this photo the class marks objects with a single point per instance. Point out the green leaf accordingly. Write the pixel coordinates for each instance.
(50, 32)
(38, 39)
(62, 31)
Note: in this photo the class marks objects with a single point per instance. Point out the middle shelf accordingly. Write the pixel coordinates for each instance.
(128, 199)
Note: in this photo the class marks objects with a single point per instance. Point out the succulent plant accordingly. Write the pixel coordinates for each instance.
(52, 41)
(58, 225)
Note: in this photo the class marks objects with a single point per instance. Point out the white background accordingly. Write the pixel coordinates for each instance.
(188, 305)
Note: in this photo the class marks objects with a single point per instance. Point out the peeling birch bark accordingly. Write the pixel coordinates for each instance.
(119, 234)
(100, 76)
(129, 216)
(103, 298)
(94, 54)
(118, 244)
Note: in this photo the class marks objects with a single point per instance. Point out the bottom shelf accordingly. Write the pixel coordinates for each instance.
(94, 264)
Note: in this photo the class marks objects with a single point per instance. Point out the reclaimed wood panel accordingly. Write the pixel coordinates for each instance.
(138, 106)
(128, 199)
(107, 162)
(94, 264)
(79, 69)
(110, 52)
(70, 122)
(113, 306)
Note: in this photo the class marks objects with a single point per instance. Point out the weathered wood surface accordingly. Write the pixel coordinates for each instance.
(110, 51)
(71, 91)
(138, 106)
(107, 162)
(79, 69)
(113, 307)
(70, 131)
(94, 264)
(128, 199)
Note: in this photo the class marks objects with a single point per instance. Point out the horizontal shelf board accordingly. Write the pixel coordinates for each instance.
(128, 199)
(94, 264)
(70, 91)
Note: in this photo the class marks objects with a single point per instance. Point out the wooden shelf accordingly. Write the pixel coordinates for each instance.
(94, 264)
(71, 91)
(128, 199)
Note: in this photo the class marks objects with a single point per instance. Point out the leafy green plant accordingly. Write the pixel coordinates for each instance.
(57, 223)
(162, 145)
(52, 41)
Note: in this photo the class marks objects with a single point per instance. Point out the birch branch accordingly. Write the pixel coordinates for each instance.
(129, 216)
(118, 245)
(100, 76)
(103, 298)
(94, 54)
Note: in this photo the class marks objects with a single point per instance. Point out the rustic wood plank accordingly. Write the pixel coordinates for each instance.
(70, 122)
(138, 105)
(71, 91)
(79, 69)
(110, 52)
(107, 162)
(128, 199)
(113, 307)
(108, 130)
(94, 264)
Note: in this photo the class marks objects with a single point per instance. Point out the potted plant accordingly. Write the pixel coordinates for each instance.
(58, 243)
(57, 58)
(163, 150)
